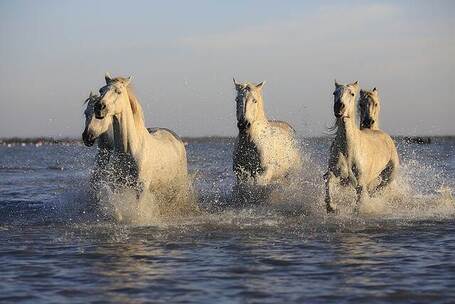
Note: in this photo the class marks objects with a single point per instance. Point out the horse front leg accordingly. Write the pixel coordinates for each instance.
(139, 189)
(362, 195)
(329, 178)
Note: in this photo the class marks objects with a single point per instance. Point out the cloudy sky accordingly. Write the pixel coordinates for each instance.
(183, 55)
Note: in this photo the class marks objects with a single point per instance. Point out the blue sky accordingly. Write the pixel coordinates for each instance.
(183, 55)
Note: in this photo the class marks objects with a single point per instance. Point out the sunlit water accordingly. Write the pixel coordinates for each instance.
(54, 248)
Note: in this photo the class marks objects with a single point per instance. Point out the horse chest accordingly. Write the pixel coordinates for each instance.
(247, 158)
(342, 167)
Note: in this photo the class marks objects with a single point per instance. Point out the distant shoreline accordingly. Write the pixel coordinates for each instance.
(69, 140)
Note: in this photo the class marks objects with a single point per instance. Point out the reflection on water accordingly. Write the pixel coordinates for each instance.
(400, 249)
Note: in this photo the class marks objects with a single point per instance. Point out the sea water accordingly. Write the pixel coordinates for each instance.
(55, 247)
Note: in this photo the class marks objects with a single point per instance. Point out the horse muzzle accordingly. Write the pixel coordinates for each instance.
(338, 109)
(88, 139)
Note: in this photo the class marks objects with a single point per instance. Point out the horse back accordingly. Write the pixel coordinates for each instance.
(163, 133)
(376, 137)
(282, 125)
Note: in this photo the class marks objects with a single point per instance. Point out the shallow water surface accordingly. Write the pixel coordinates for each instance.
(400, 248)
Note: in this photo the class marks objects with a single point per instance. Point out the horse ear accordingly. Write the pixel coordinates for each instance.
(260, 85)
(108, 78)
(337, 84)
(237, 85)
(91, 94)
(128, 81)
(356, 84)
(375, 90)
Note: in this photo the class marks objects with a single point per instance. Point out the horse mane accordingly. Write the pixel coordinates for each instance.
(88, 100)
(136, 108)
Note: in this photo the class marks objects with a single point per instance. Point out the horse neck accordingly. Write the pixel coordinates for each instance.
(128, 134)
(347, 132)
(105, 141)
(261, 116)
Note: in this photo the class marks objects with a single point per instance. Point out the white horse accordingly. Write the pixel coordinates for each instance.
(265, 151)
(369, 108)
(154, 162)
(357, 157)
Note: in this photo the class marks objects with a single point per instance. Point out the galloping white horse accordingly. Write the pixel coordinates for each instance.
(357, 157)
(265, 151)
(369, 108)
(155, 162)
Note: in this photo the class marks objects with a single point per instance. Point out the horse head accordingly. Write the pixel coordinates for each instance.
(369, 108)
(94, 127)
(250, 105)
(113, 97)
(344, 98)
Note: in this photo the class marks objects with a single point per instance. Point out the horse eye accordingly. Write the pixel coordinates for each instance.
(118, 91)
(333, 93)
(352, 94)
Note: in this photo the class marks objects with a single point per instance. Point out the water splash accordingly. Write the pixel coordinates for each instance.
(419, 193)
